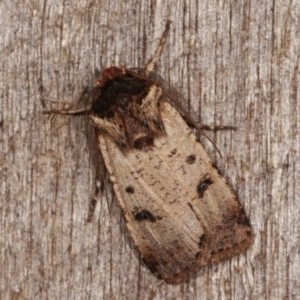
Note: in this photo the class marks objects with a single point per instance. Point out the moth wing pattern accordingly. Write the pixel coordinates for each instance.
(180, 212)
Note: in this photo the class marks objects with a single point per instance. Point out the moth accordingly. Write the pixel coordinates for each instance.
(180, 212)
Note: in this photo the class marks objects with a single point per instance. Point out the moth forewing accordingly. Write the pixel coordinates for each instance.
(180, 212)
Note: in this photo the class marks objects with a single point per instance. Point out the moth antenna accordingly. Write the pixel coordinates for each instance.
(153, 60)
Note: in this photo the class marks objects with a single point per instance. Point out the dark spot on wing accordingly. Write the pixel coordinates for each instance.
(144, 215)
(129, 189)
(143, 142)
(203, 186)
(172, 152)
(190, 159)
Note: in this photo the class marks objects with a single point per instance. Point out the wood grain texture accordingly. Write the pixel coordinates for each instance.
(237, 62)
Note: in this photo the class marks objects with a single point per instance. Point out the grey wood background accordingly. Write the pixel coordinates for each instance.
(237, 62)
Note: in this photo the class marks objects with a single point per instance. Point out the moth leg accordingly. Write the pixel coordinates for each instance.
(82, 106)
(153, 60)
(93, 202)
(217, 128)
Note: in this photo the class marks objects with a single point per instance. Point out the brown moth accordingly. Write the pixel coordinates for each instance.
(180, 212)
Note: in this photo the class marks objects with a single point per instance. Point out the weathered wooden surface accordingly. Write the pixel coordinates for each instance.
(238, 63)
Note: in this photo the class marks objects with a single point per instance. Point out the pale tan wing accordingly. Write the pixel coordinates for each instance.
(180, 212)
(227, 229)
